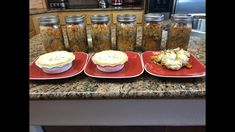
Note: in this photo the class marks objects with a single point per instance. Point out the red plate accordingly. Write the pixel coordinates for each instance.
(132, 68)
(197, 70)
(35, 73)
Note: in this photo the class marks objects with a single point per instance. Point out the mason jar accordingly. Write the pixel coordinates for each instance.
(51, 33)
(100, 33)
(179, 31)
(152, 31)
(126, 32)
(76, 32)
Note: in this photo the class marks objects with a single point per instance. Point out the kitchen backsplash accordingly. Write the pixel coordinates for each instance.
(83, 2)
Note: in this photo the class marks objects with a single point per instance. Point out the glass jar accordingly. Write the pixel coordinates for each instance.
(51, 33)
(152, 31)
(126, 32)
(100, 33)
(179, 31)
(76, 32)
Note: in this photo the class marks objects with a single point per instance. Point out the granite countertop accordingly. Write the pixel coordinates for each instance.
(40, 11)
(143, 87)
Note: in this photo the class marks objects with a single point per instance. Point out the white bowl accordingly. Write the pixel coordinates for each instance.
(56, 70)
(110, 68)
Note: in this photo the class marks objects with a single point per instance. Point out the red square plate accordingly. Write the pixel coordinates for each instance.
(132, 68)
(35, 73)
(198, 69)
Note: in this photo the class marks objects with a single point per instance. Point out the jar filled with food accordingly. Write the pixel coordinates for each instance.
(179, 31)
(100, 33)
(126, 32)
(51, 33)
(152, 31)
(76, 32)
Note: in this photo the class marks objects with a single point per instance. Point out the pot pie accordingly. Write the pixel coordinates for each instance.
(55, 62)
(173, 59)
(110, 60)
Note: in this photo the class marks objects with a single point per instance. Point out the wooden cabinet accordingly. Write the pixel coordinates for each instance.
(124, 128)
(185, 129)
(31, 28)
(37, 4)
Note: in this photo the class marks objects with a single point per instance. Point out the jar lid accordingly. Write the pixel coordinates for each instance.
(99, 18)
(182, 17)
(126, 18)
(48, 20)
(74, 19)
(155, 17)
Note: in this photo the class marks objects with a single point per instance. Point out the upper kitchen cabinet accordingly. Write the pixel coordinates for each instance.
(31, 27)
(37, 4)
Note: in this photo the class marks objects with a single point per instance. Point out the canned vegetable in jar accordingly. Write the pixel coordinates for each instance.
(100, 33)
(152, 31)
(179, 31)
(126, 32)
(76, 32)
(51, 33)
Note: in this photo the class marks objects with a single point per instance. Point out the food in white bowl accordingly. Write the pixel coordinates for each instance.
(55, 62)
(110, 60)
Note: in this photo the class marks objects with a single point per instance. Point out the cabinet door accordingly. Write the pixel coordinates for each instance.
(31, 28)
(139, 15)
(37, 4)
(36, 21)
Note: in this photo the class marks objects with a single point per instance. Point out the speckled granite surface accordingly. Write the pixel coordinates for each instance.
(142, 87)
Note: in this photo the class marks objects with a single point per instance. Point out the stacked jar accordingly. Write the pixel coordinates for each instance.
(126, 32)
(100, 33)
(179, 31)
(76, 32)
(152, 31)
(51, 33)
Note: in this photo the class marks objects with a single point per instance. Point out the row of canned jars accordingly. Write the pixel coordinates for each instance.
(126, 31)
